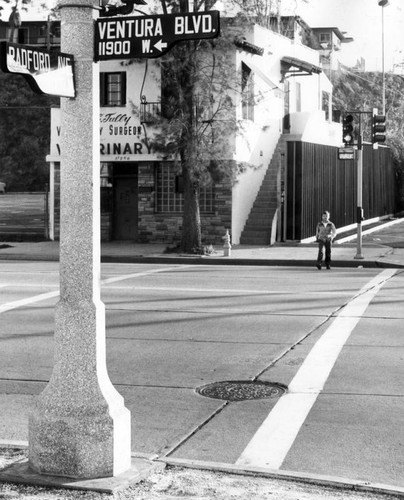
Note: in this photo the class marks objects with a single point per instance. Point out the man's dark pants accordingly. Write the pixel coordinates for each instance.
(327, 245)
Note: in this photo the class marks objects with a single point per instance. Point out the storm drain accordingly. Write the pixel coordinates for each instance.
(241, 390)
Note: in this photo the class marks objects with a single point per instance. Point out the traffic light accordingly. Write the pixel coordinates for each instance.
(347, 130)
(378, 128)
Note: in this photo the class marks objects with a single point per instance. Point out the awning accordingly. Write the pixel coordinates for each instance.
(263, 76)
(291, 66)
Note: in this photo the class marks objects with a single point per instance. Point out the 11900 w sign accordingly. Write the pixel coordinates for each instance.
(151, 36)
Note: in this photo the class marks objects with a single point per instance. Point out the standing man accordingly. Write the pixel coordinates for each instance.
(325, 233)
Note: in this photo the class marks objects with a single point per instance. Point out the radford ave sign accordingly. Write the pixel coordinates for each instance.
(150, 36)
(46, 72)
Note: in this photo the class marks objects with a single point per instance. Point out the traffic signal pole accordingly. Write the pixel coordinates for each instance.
(378, 129)
(359, 208)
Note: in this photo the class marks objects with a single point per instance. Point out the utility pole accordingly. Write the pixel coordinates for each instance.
(383, 4)
(80, 427)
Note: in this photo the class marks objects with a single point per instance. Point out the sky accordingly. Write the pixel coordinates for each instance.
(361, 19)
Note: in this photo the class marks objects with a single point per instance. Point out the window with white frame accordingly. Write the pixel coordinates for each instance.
(298, 97)
(247, 92)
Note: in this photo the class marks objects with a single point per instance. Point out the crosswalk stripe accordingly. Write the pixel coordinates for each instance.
(272, 441)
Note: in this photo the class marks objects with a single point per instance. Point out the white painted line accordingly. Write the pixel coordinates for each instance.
(145, 273)
(25, 302)
(272, 441)
(225, 291)
(50, 295)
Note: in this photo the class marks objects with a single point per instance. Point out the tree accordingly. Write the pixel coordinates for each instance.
(14, 18)
(199, 115)
(24, 129)
(24, 124)
(199, 108)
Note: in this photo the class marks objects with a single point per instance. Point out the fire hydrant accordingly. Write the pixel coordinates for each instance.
(226, 245)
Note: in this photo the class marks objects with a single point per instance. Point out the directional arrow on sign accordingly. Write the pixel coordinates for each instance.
(160, 45)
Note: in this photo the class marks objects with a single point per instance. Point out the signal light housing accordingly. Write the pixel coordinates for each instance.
(378, 128)
(347, 130)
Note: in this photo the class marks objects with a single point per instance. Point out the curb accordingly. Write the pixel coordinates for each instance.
(217, 261)
(304, 477)
(225, 261)
(285, 475)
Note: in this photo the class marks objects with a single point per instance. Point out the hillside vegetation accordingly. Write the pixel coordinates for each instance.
(362, 91)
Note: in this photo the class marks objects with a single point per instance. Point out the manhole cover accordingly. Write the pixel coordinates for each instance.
(241, 390)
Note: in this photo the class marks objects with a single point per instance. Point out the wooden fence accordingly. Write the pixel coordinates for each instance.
(316, 180)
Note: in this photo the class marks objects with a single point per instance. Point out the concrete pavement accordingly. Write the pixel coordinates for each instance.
(374, 255)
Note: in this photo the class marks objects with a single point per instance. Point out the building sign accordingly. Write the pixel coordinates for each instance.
(46, 72)
(150, 36)
(121, 137)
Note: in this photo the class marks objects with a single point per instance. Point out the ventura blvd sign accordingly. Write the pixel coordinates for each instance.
(46, 72)
(151, 36)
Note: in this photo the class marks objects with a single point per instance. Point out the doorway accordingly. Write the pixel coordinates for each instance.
(125, 225)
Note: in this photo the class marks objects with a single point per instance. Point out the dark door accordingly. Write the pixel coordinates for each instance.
(125, 208)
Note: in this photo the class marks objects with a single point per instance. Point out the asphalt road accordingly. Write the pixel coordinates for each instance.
(334, 339)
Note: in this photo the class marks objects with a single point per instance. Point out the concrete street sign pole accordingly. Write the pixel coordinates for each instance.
(80, 427)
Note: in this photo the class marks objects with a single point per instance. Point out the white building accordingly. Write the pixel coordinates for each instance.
(140, 196)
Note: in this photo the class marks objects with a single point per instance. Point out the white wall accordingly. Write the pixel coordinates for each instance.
(257, 142)
(121, 135)
(257, 139)
(312, 127)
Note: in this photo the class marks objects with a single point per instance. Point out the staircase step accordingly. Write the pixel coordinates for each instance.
(254, 233)
(255, 241)
(259, 217)
(257, 230)
(262, 212)
(259, 226)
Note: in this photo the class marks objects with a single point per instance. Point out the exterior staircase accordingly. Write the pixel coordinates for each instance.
(258, 227)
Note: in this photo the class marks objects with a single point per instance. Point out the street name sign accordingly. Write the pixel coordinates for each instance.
(46, 72)
(347, 153)
(151, 36)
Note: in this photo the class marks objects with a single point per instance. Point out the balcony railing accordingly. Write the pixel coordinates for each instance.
(36, 41)
(150, 112)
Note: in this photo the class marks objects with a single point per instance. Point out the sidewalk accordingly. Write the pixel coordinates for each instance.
(343, 255)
